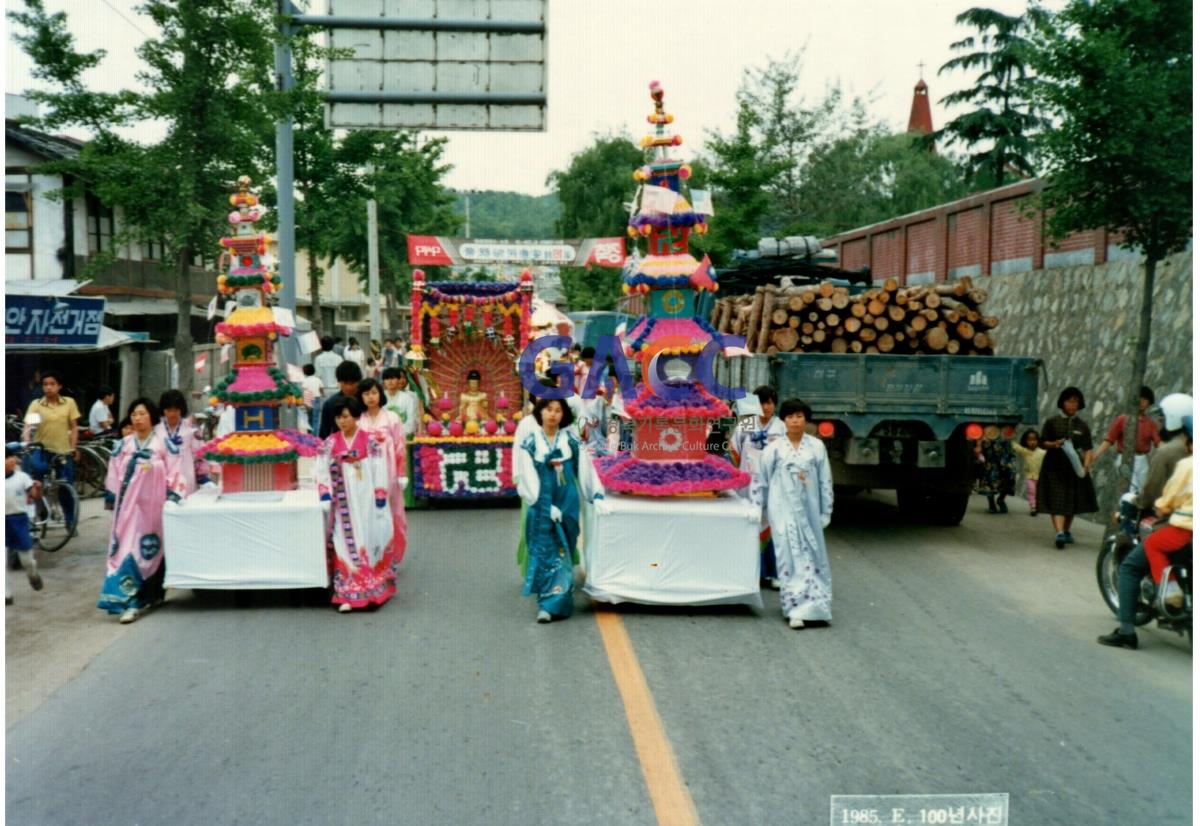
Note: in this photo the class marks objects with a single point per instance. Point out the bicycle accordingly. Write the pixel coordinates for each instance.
(50, 524)
(91, 469)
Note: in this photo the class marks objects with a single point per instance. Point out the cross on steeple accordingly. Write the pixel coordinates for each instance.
(921, 69)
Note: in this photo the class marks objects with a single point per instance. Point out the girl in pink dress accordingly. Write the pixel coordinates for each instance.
(387, 428)
(178, 435)
(137, 486)
(352, 476)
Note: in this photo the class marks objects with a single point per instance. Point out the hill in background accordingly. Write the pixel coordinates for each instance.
(510, 215)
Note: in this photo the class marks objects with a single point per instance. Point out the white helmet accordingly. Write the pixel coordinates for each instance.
(1174, 407)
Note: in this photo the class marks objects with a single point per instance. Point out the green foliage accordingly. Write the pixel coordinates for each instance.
(595, 187)
(741, 175)
(871, 176)
(761, 174)
(1119, 85)
(206, 77)
(999, 130)
(510, 215)
(594, 191)
(1118, 82)
(406, 180)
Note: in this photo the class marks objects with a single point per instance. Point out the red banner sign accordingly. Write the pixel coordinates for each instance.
(437, 250)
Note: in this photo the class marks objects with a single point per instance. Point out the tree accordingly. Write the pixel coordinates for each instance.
(594, 190)
(758, 173)
(206, 77)
(406, 179)
(870, 176)
(1118, 82)
(1000, 127)
(741, 174)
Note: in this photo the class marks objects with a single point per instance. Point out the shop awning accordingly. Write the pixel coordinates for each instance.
(108, 339)
(148, 306)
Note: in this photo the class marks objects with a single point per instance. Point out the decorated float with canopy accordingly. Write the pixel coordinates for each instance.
(465, 341)
(668, 456)
(259, 455)
(664, 525)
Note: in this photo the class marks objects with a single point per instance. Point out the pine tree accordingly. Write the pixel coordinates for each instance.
(999, 130)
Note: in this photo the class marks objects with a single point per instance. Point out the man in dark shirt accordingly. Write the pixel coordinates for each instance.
(348, 376)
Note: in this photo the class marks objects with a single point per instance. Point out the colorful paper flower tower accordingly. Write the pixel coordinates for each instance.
(670, 429)
(258, 456)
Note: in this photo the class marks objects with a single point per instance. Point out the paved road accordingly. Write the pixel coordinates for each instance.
(960, 660)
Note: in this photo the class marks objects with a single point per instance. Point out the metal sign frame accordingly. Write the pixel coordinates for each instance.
(429, 73)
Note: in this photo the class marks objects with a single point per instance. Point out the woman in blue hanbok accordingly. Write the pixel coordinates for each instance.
(795, 484)
(546, 470)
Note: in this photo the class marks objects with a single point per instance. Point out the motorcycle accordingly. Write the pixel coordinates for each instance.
(1127, 531)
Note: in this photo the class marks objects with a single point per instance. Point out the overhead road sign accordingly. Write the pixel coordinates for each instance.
(468, 65)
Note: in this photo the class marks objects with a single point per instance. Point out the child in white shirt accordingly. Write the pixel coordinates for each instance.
(19, 491)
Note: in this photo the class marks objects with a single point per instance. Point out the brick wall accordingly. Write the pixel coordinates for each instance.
(991, 233)
(923, 252)
(886, 256)
(855, 254)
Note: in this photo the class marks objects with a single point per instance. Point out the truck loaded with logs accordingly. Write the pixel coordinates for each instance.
(901, 379)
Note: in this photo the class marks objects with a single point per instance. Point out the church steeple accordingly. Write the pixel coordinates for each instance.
(920, 119)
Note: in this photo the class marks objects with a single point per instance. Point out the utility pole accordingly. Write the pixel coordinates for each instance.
(373, 261)
(467, 231)
(285, 234)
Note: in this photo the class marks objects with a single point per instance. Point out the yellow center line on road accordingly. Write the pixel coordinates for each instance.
(673, 804)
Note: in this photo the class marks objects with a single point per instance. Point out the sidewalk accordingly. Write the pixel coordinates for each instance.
(50, 636)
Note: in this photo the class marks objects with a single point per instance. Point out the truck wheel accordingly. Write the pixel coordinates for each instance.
(913, 502)
(950, 508)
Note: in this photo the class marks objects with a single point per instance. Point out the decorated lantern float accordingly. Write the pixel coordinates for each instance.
(467, 336)
(259, 455)
(668, 457)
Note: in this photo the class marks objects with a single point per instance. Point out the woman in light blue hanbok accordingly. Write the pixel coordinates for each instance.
(795, 484)
(546, 470)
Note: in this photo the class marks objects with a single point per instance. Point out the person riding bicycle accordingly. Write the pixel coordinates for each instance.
(58, 431)
(1152, 556)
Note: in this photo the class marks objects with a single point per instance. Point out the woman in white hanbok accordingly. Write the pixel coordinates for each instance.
(795, 484)
(352, 476)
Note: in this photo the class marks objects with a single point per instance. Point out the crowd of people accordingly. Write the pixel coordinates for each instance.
(365, 410)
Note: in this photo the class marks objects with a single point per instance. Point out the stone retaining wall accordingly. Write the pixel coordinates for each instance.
(1083, 323)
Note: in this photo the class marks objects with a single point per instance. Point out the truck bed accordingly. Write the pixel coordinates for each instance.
(864, 390)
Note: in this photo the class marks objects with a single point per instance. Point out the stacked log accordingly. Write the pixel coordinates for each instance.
(888, 318)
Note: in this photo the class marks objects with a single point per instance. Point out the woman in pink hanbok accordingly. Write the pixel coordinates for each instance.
(352, 476)
(387, 428)
(178, 434)
(137, 486)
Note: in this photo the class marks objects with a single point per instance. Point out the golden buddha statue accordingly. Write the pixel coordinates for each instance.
(473, 403)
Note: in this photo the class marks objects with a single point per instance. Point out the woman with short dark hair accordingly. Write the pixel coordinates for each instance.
(183, 442)
(1064, 486)
(137, 486)
(546, 470)
(794, 483)
(352, 477)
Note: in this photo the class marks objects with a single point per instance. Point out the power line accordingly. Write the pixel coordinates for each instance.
(126, 19)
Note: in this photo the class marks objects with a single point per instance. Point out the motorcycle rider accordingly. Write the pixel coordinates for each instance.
(1173, 448)
(1136, 564)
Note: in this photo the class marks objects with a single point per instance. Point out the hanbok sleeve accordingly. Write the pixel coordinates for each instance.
(825, 483)
(200, 463)
(525, 473)
(377, 467)
(399, 437)
(112, 480)
(321, 472)
(760, 480)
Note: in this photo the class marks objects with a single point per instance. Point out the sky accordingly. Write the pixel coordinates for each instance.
(603, 55)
